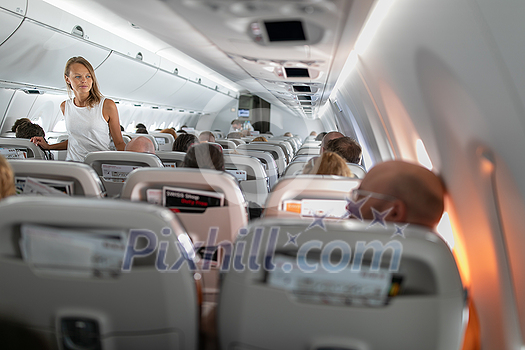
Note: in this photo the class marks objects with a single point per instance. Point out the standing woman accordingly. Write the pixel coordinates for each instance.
(90, 117)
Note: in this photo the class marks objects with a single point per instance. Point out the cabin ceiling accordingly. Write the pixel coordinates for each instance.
(310, 44)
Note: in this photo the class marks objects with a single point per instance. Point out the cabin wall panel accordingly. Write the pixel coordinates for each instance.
(223, 119)
(19, 107)
(10, 22)
(440, 65)
(6, 95)
(282, 121)
(41, 59)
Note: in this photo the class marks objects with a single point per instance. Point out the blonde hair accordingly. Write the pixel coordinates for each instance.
(169, 131)
(260, 138)
(329, 163)
(7, 179)
(94, 94)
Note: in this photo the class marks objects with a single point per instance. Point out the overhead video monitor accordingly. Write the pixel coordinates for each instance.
(297, 72)
(244, 113)
(285, 31)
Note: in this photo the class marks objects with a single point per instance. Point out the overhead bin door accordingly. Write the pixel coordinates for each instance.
(159, 88)
(36, 55)
(120, 75)
(10, 21)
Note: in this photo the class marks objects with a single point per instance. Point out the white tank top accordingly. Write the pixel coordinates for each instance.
(87, 129)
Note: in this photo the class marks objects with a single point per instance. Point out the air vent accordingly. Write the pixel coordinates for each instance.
(285, 31)
(304, 98)
(139, 56)
(176, 71)
(181, 110)
(137, 105)
(297, 73)
(78, 31)
(306, 103)
(301, 88)
(169, 109)
(33, 92)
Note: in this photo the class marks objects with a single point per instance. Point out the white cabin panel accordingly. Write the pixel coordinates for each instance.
(16, 6)
(158, 89)
(10, 22)
(5, 99)
(119, 76)
(41, 59)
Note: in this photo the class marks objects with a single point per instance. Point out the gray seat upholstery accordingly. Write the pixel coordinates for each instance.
(113, 159)
(164, 140)
(61, 271)
(254, 183)
(276, 151)
(317, 302)
(170, 158)
(266, 158)
(20, 148)
(149, 136)
(81, 177)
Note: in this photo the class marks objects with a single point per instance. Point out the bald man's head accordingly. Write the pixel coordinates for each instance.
(419, 193)
(140, 144)
(329, 137)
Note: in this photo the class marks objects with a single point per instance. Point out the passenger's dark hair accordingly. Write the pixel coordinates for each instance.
(141, 131)
(234, 135)
(29, 130)
(181, 131)
(204, 156)
(140, 125)
(184, 141)
(18, 122)
(121, 128)
(346, 147)
(320, 136)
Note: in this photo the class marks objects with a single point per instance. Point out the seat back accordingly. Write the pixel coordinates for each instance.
(226, 144)
(229, 217)
(164, 140)
(303, 151)
(61, 266)
(294, 168)
(351, 286)
(171, 159)
(113, 167)
(287, 149)
(250, 173)
(304, 195)
(276, 151)
(194, 184)
(75, 179)
(357, 170)
(266, 158)
(13, 148)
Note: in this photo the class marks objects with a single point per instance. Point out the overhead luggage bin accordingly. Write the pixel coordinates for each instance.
(43, 65)
(10, 22)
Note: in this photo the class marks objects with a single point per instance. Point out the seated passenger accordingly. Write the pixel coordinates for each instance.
(184, 141)
(169, 131)
(320, 136)
(28, 130)
(236, 125)
(206, 136)
(329, 137)
(141, 131)
(260, 139)
(235, 135)
(18, 122)
(7, 179)
(412, 193)
(140, 126)
(329, 163)
(288, 134)
(140, 144)
(204, 156)
(313, 133)
(346, 147)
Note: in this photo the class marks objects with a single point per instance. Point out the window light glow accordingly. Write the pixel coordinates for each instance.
(422, 155)
(374, 21)
(444, 228)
